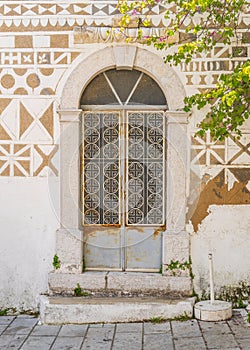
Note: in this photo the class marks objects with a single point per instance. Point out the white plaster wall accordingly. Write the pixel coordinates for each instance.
(28, 222)
(225, 233)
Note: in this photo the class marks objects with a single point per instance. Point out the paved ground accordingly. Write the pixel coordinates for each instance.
(23, 332)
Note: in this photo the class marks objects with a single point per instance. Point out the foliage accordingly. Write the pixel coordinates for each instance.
(3, 312)
(196, 26)
(176, 265)
(56, 262)
(78, 292)
(248, 317)
(183, 317)
(157, 319)
(235, 294)
(230, 103)
(238, 295)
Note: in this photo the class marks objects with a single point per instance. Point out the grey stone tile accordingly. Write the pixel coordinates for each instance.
(215, 327)
(102, 325)
(36, 342)
(193, 343)
(99, 338)
(45, 330)
(226, 348)
(12, 342)
(158, 341)
(131, 341)
(129, 327)
(25, 321)
(21, 325)
(156, 328)
(240, 331)
(73, 330)
(244, 343)
(6, 319)
(3, 327)
(188, 328)
(67, 343)
(220, 341)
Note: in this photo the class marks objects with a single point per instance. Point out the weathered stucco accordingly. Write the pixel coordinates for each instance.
(225, 234)
(27, 225)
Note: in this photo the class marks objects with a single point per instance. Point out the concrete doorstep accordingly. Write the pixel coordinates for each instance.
(80, 310)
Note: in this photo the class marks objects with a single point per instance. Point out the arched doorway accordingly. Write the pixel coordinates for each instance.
(123, 171)
(70, 235)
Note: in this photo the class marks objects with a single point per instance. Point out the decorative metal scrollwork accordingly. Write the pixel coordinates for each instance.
(145, 184)
(101, 168)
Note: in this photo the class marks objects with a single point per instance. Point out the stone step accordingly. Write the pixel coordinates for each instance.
(132, 282)
(79, 310)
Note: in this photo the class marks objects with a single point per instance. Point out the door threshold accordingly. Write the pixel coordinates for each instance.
(122, 271)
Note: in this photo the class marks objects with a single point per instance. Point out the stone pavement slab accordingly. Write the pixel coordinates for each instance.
(37, 342)
(220, 341)
(6, 319)
(73, 329)
(150, 328)
(11, 341)
(46, 330)
(2, 328)
(99, 338)
(191, 343)
(158, 341)
(129, 328)
(66, 343)
(189, 328)
(24, 333)
(131, 341)
(21, 325)
(215, 327)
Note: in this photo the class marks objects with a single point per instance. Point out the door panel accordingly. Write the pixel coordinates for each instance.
(102, 248)
(143, 249)
(145, 168)
(123, 189)
(101, 167)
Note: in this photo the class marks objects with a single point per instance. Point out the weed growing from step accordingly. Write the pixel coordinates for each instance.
(78, 292)
(183, 317)
(56, 262)
(157, 319)
(175, 266)
(3, 312)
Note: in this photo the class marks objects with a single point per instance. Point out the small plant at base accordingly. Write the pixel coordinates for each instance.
(157, 319)
(3, 312)
(78, 292)
(83, 265)
(183, 317)
(236, 294)
(56, 262)
(176, 265)
(248, 317)
(240, 304)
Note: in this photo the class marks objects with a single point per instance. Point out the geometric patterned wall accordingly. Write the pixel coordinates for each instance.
(37, 47)
(27, 137)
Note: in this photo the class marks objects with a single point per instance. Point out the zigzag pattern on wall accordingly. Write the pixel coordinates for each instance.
(39, 13)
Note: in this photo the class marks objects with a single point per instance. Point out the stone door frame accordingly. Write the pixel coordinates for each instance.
(69, 237)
